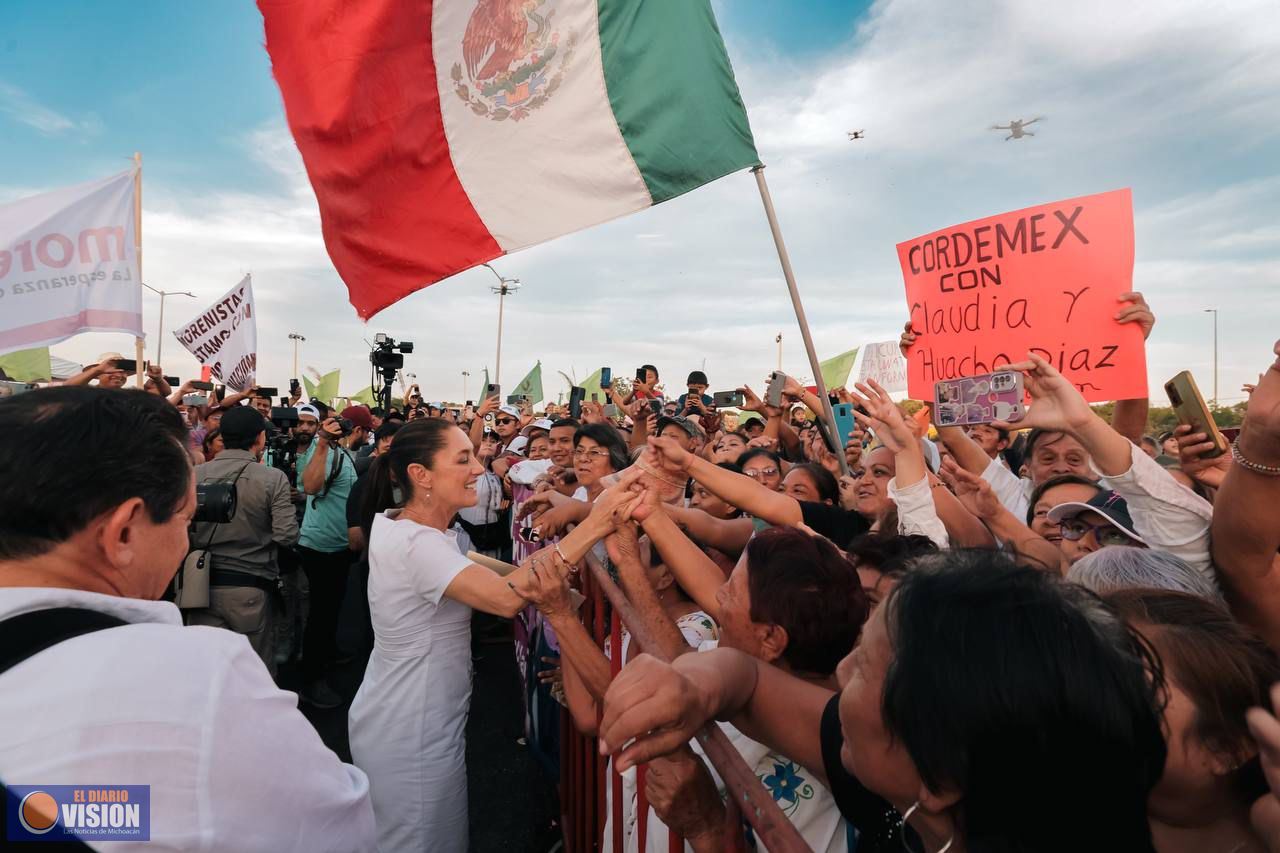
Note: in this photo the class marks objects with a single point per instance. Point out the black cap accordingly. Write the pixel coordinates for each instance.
(242, 423)
(697, 378)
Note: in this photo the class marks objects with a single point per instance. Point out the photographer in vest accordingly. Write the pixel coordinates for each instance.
(100, 683)
(245, 571)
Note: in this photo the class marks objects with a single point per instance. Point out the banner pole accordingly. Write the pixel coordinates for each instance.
(787, 273)
(137, 249)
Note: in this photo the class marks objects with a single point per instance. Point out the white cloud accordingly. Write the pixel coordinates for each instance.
(1176, 99)
(24, 109)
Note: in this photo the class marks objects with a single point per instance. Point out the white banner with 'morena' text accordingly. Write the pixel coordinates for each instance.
(69, 264)
(225, 337)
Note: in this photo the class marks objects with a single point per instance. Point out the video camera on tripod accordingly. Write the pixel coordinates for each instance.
(387, 357)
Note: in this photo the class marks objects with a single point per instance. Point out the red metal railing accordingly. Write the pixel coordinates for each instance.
(582, 792)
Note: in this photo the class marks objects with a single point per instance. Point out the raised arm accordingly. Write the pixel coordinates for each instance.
(476, 433)
(1245, 533)
(738, 489)
(657, 707)
(1129, 418)
(696, 573)
(979, 499)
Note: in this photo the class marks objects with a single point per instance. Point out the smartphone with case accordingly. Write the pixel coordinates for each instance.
(195, 400)
(268, 391)
(845, 422)
(773, 394)
(576, 396)
(202, 386)
(727, 399)
(492, 390)
(1190, 408)
(980, 399)
(173, 381)
(295, 388)
(606, 377)
(641, 375)
(128, 365)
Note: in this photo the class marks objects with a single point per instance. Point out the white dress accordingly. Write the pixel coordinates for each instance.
(408, 720)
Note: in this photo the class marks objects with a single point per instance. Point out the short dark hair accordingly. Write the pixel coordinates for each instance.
(566, 422)
(755, 453)
(1060, 480)
(804, 585)
(608, 438)
(651, 367)
(378, 412)
(82, 452)
(823, 481)
(1052, 704)
(889, 553)
(387, 429)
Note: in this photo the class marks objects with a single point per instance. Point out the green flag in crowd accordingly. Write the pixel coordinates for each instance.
(835, 371)
(27, 365)
(531, 385)
(325, 389)
(365, 396)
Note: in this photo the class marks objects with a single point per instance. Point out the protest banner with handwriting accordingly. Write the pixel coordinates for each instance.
(883, 362)
(224, 337)
(1044, 279)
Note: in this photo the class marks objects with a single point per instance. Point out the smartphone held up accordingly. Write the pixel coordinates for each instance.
(980, 399)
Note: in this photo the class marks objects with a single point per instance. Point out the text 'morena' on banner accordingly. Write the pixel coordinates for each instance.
(1044, 279)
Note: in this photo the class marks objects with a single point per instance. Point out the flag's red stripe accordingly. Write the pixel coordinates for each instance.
(360, 94)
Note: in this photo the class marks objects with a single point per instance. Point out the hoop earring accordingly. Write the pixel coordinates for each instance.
(907, 816)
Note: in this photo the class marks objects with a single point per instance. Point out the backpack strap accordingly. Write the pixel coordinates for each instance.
(28, 634)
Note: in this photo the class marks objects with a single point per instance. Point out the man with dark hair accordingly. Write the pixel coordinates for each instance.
(245, 571)
(328, 473)
(261, 403)
(122, 692)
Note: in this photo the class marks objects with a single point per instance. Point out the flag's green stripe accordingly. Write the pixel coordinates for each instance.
(672, 91)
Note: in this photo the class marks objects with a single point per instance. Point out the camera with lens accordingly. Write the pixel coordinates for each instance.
(387, 355)
(215, 503)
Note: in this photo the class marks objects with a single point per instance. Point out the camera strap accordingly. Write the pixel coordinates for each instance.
(335, 468)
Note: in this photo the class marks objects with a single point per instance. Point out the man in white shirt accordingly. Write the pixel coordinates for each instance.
(190, 712)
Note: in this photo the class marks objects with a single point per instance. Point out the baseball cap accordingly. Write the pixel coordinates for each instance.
(518, 444)
(359, 416)
(1107, 504)
(242, 423)
(697, 377)
(684, 424)
(510, 410)
(543, 424)
(310, 410)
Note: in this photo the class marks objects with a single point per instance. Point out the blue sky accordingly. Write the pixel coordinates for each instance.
(1173, 98)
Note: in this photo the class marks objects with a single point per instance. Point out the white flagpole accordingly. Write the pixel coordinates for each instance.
(137, 248)
(789, 275)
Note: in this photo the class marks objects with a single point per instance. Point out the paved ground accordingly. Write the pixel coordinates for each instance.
(511, 807)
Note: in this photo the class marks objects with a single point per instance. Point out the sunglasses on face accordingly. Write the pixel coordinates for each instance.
(757, 473)
(504, 421)
(1073, 530)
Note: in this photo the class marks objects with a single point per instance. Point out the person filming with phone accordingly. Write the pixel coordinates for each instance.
(328, 473)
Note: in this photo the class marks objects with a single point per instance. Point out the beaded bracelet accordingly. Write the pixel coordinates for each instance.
(1255, 467)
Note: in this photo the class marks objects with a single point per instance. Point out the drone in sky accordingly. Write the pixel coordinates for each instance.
(1016, 128)
(857, 134)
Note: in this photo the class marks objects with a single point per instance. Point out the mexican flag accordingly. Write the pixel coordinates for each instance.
(440, 134)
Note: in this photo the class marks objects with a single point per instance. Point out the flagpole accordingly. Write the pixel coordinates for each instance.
(789, 275)
(137, 249)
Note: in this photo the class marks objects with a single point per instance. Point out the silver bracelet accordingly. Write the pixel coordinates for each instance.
(1255, 467)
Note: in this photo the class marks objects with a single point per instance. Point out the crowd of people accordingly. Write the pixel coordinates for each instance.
(1055, 635)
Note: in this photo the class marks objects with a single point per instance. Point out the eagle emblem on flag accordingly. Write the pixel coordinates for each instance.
(513, 58)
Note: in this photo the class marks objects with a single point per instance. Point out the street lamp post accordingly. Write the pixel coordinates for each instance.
(465, 374)
(502, 288)
(296, 338)
(1214, 312)
(160, 330)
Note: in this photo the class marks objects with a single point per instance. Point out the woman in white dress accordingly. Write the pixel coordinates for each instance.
(408, 720)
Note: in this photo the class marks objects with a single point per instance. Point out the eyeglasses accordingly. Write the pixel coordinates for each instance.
(1074, 529)
(757, 473)
(504, 421)
(594, 455)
